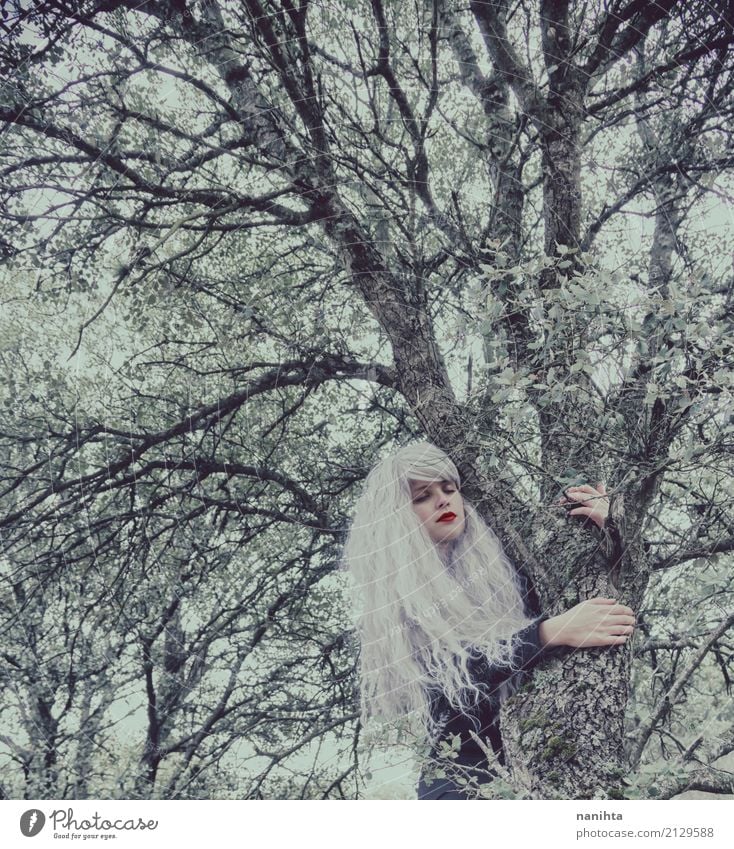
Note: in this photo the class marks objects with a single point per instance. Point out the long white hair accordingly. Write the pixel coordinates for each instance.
(420, 612)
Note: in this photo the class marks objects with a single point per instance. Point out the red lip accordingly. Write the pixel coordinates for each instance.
(446, 517)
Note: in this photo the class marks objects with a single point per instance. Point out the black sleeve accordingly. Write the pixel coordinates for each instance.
(527, 652)
(528, 649)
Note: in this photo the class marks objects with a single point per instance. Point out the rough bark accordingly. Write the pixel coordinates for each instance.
(564, 731)
(563, 734)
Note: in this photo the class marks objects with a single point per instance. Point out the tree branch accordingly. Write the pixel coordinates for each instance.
(490, 15)
(667, 702)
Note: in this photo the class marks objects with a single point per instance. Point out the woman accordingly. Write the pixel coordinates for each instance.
(444, 620)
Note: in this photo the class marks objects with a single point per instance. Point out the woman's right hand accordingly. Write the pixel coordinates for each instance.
(594, 622)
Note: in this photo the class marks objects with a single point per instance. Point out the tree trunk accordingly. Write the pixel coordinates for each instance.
(563, 732)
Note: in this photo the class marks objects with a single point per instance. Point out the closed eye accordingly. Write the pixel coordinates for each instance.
(447, 488)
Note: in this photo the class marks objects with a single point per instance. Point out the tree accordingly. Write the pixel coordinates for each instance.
(289, 235)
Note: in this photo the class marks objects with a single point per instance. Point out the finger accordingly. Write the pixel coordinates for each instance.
(601, 487)
(581, 511)
(610, 639)
(585, 491)
(579, 496)
(611, 619)
(623, 610)
(586, 496)
(616, 641)
(610, 625)
(615, 614)
(620, 629)
(604, 640)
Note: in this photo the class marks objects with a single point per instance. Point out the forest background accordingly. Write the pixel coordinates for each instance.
(249, 247)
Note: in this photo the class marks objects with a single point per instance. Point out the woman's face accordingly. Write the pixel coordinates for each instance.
(440, 508)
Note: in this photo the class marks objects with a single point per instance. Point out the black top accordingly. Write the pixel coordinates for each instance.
(483, 716)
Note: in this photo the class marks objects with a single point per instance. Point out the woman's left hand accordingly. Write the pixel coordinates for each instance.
(595, 622)
(594, 500)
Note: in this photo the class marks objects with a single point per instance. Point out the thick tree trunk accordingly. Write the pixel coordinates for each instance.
(562, 176)
(563, 732)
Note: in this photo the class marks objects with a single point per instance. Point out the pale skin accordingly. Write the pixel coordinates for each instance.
(595, 622)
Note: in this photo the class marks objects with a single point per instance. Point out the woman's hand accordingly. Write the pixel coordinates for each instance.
(594, 500)
(594, 622)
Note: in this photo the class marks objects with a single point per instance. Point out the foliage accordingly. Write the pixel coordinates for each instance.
(248, 246)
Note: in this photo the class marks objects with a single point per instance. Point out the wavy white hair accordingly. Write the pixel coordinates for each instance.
(420, 613)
